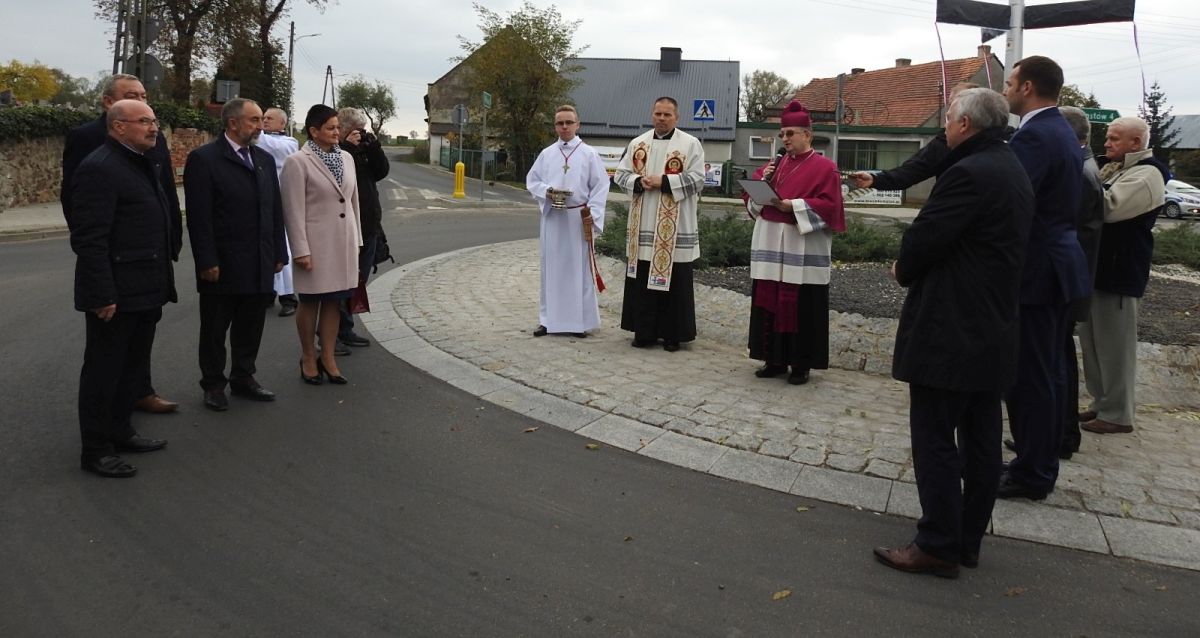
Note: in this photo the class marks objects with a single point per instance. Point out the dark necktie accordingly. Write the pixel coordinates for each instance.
(245, 153)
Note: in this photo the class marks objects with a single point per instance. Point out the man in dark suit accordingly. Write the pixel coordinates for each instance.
(957, 340)
(1054, 274)
(235, 223)
(121, 230)
(80, 143)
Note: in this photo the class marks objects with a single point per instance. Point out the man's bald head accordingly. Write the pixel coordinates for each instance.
(132, 123)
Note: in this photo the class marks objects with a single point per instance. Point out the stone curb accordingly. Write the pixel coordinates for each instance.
(34, 234)
(1141, 540)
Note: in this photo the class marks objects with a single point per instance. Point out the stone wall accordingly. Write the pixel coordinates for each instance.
(1168, 376)
(31, 170)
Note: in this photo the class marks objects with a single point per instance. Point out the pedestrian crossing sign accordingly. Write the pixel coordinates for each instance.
(704, 110)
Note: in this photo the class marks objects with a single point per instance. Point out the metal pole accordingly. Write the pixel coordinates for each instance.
(291, 82)
(837, 117)
(1016, 35)
(482, 155)
(119, 40)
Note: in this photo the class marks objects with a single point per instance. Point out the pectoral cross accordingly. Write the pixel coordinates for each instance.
(566, 167)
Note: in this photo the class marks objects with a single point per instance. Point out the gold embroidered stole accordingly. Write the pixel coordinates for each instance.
(666, 221)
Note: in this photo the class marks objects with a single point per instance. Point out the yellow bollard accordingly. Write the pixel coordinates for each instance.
(460, 172)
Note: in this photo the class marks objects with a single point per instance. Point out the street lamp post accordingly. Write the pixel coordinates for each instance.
(292, 37)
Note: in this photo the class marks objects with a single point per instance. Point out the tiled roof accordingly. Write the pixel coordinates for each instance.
(616, 96)
(905, 96)
(1188, 127)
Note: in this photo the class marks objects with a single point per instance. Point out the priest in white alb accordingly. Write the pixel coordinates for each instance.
(570, 184)
(663, 170)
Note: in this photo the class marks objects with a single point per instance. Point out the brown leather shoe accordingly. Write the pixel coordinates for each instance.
(1100, 426)
(913, 559)
(1087, 415)
(155, 404)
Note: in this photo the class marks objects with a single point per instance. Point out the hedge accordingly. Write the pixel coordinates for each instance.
(33, 122)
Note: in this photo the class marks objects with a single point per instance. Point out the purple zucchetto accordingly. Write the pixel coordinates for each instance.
(795, 115)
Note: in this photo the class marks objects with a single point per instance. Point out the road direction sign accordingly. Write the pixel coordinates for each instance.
(487, 100)
(1101, 116)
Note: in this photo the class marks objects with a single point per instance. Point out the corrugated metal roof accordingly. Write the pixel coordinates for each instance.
(616, 96)
(1188, 127)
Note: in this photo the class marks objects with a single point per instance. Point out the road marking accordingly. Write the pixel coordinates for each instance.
(429, 193)
(398, 193)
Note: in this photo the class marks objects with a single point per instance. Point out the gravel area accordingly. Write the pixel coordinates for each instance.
(1170, 312)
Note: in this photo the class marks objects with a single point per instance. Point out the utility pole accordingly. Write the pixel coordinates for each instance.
(837, 117)
(122, 35)
(292, 37)
(1016, 35)
(329, 86)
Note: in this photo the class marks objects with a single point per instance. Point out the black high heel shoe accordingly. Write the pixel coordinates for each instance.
(313, 380)
(336, 380)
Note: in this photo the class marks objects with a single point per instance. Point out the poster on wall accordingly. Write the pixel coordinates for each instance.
(712, 174)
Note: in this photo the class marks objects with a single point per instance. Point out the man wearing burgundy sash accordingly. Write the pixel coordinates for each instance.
(790, 254)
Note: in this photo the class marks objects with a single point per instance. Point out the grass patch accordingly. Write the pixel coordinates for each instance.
(725, 241)
(1179, 244)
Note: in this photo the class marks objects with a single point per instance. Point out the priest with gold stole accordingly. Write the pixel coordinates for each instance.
(790, 254)
(663, 170)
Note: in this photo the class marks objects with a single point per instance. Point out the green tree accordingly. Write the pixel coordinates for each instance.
(1187, 166)
(268, 78)
(1157, 114)
(73, 91)
(762, 90)
(376, 100)
(524, 61)
(28, 82)
(1072, 95)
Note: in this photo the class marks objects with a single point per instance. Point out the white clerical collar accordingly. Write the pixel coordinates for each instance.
(1030, 115)
(574, 141)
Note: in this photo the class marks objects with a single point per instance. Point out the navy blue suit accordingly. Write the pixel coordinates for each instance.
(1054, 274)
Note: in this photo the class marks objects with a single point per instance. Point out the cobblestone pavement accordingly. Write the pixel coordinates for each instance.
(842, 438)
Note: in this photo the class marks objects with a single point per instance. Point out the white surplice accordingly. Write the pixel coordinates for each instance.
(568, 297)
(280, 146)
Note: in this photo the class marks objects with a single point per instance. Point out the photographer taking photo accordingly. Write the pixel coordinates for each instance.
(370, 165)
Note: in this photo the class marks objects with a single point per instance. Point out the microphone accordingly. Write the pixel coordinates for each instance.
(775, 163)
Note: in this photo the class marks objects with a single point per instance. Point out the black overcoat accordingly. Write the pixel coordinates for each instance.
(121, 232)
(961, 262)
(234, 218)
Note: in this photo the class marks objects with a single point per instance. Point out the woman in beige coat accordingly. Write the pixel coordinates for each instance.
(320, 206)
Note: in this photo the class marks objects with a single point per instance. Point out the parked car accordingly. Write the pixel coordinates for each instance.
(1182, 199)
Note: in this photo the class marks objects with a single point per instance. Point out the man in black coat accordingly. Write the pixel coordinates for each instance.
(370, 166)
(235, 223)
(80, 142)
(121, 232)
(956, 343)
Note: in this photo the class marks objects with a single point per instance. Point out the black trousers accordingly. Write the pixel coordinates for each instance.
(242, 318)
(805, 349)
(1034, 405)
(113, 358)
(1071, 436)
(669, 315)
(957, 483)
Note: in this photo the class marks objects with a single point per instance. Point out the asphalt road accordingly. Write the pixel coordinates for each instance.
(400, 506)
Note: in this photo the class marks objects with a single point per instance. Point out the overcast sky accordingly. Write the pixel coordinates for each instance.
(408, 43)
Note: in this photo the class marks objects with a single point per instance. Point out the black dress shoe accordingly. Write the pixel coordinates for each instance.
(287, 309)
(540, 332)
(340, 350)
(1012, 489)
(914, 560)
(354, 340)
(216, 400)
(798, 377)
(769, 370)
(137, 443)
(642, 343)
(252, 391)
(108, 466)
(334, 379)
(579, 335)
(671, 346)
(970, 559)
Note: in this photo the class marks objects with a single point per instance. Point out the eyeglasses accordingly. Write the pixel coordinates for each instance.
(145, 121)
(783, 134)
(564, 122)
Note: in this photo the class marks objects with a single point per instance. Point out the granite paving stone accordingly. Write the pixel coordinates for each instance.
(843, 437)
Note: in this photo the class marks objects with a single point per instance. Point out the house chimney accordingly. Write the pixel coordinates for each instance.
(856, 71)
(670, 59)
(903, 62)
(985, 51)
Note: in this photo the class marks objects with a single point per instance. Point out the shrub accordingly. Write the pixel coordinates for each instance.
(864, 242)
(420, 152)
(1179, 244)
(32, 122)
(725, 241)
(171, 115)
(611, 242)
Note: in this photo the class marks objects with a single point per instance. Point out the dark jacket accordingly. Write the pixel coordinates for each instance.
(370, 165)
(916, 169)
(121, 232)
(235, 218)
(1126, 248)
(1055, 270)
(1088, 224)
(961, 262)
(82, 140)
